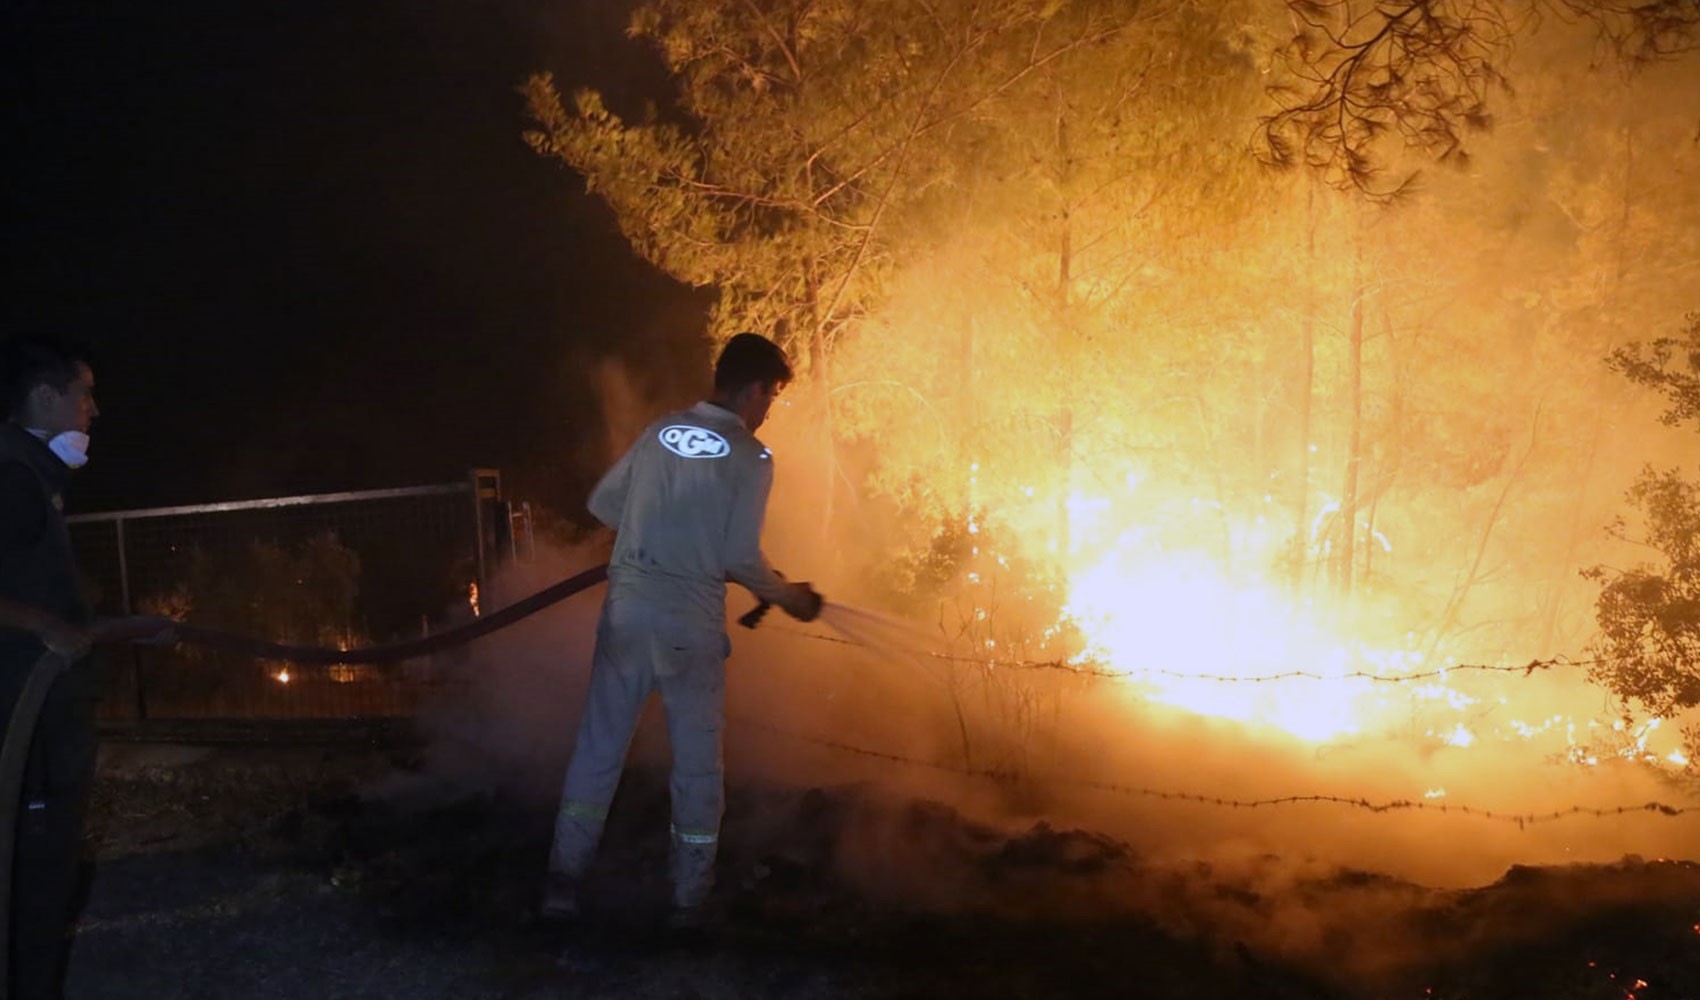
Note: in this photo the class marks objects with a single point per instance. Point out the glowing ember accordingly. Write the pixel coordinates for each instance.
(282, 676)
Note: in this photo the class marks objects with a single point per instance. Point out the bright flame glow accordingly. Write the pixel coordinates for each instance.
(1177, 614)
(1200, 610)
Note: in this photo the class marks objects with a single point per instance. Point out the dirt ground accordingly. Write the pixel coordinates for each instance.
(344, 872)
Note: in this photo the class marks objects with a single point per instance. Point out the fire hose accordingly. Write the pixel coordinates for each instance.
(20, 728)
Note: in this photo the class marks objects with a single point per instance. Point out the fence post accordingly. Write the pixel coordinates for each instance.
(524, 541)
(137, 673)
(486, 493)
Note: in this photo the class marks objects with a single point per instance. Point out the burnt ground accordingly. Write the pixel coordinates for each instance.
(342, 872)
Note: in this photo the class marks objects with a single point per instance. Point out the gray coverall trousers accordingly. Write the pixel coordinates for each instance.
(638, 650)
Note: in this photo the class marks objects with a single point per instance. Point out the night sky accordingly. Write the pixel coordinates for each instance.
(312, 251)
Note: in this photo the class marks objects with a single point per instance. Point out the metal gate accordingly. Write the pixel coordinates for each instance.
(336, 569)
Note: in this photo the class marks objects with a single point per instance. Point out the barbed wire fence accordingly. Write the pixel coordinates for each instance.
(1139, 791)
(1085, 668)
(1088, 670)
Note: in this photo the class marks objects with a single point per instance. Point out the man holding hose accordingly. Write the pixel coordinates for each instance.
(687, 502)
(50, 405)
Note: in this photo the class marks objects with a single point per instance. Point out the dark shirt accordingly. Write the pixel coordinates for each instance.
(37, 567)
(23, 510)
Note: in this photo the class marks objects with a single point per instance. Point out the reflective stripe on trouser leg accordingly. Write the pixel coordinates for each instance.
(620, 682)
(692, 860)
(693, 690)
(578, 829)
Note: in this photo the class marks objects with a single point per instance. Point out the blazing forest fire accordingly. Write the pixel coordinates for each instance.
(1249, 451)
(1191, 638)
(1312, 461)
(1215, 631)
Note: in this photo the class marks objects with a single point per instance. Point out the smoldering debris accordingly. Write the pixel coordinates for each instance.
(914, 891)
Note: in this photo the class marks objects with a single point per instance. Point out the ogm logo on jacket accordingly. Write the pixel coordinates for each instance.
(687, 441)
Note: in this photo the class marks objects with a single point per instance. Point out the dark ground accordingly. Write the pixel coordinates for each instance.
(342, 872)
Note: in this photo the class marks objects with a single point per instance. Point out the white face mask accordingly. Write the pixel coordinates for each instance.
(72, 447)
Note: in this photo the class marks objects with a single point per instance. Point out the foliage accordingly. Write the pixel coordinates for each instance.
(813, 136)
(302, 595)
(1659, 366)
(1649, 616)
(1032, 271)
(987, 603)
(1364, 83)
(967, 209)
(990, 600)
(1368, 77)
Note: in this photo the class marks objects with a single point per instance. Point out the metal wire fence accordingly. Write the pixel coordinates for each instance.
(338, 570)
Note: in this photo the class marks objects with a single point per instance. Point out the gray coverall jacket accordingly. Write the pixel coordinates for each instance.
(687, 501)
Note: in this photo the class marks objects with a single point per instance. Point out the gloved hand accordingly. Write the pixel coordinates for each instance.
(753, 617)
(801, 602)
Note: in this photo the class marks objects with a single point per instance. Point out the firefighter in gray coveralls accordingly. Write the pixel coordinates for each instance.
(687, 502)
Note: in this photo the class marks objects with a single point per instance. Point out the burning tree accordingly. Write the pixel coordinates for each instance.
(1057, 328)
(827, 157)
(1649, 615)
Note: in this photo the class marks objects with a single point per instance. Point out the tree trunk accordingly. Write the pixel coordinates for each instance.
(1063, 320)
(965, 424)
(1354, 443)
(820, 372)
(1596, 431)
(821, 363)
(1307, 388)
(1388, 470)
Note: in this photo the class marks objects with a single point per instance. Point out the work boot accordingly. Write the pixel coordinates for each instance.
(698, 924)
(693, 873)
(560, 898)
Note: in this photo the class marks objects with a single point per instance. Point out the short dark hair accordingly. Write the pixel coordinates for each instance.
(28, 361)
(750, 358)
